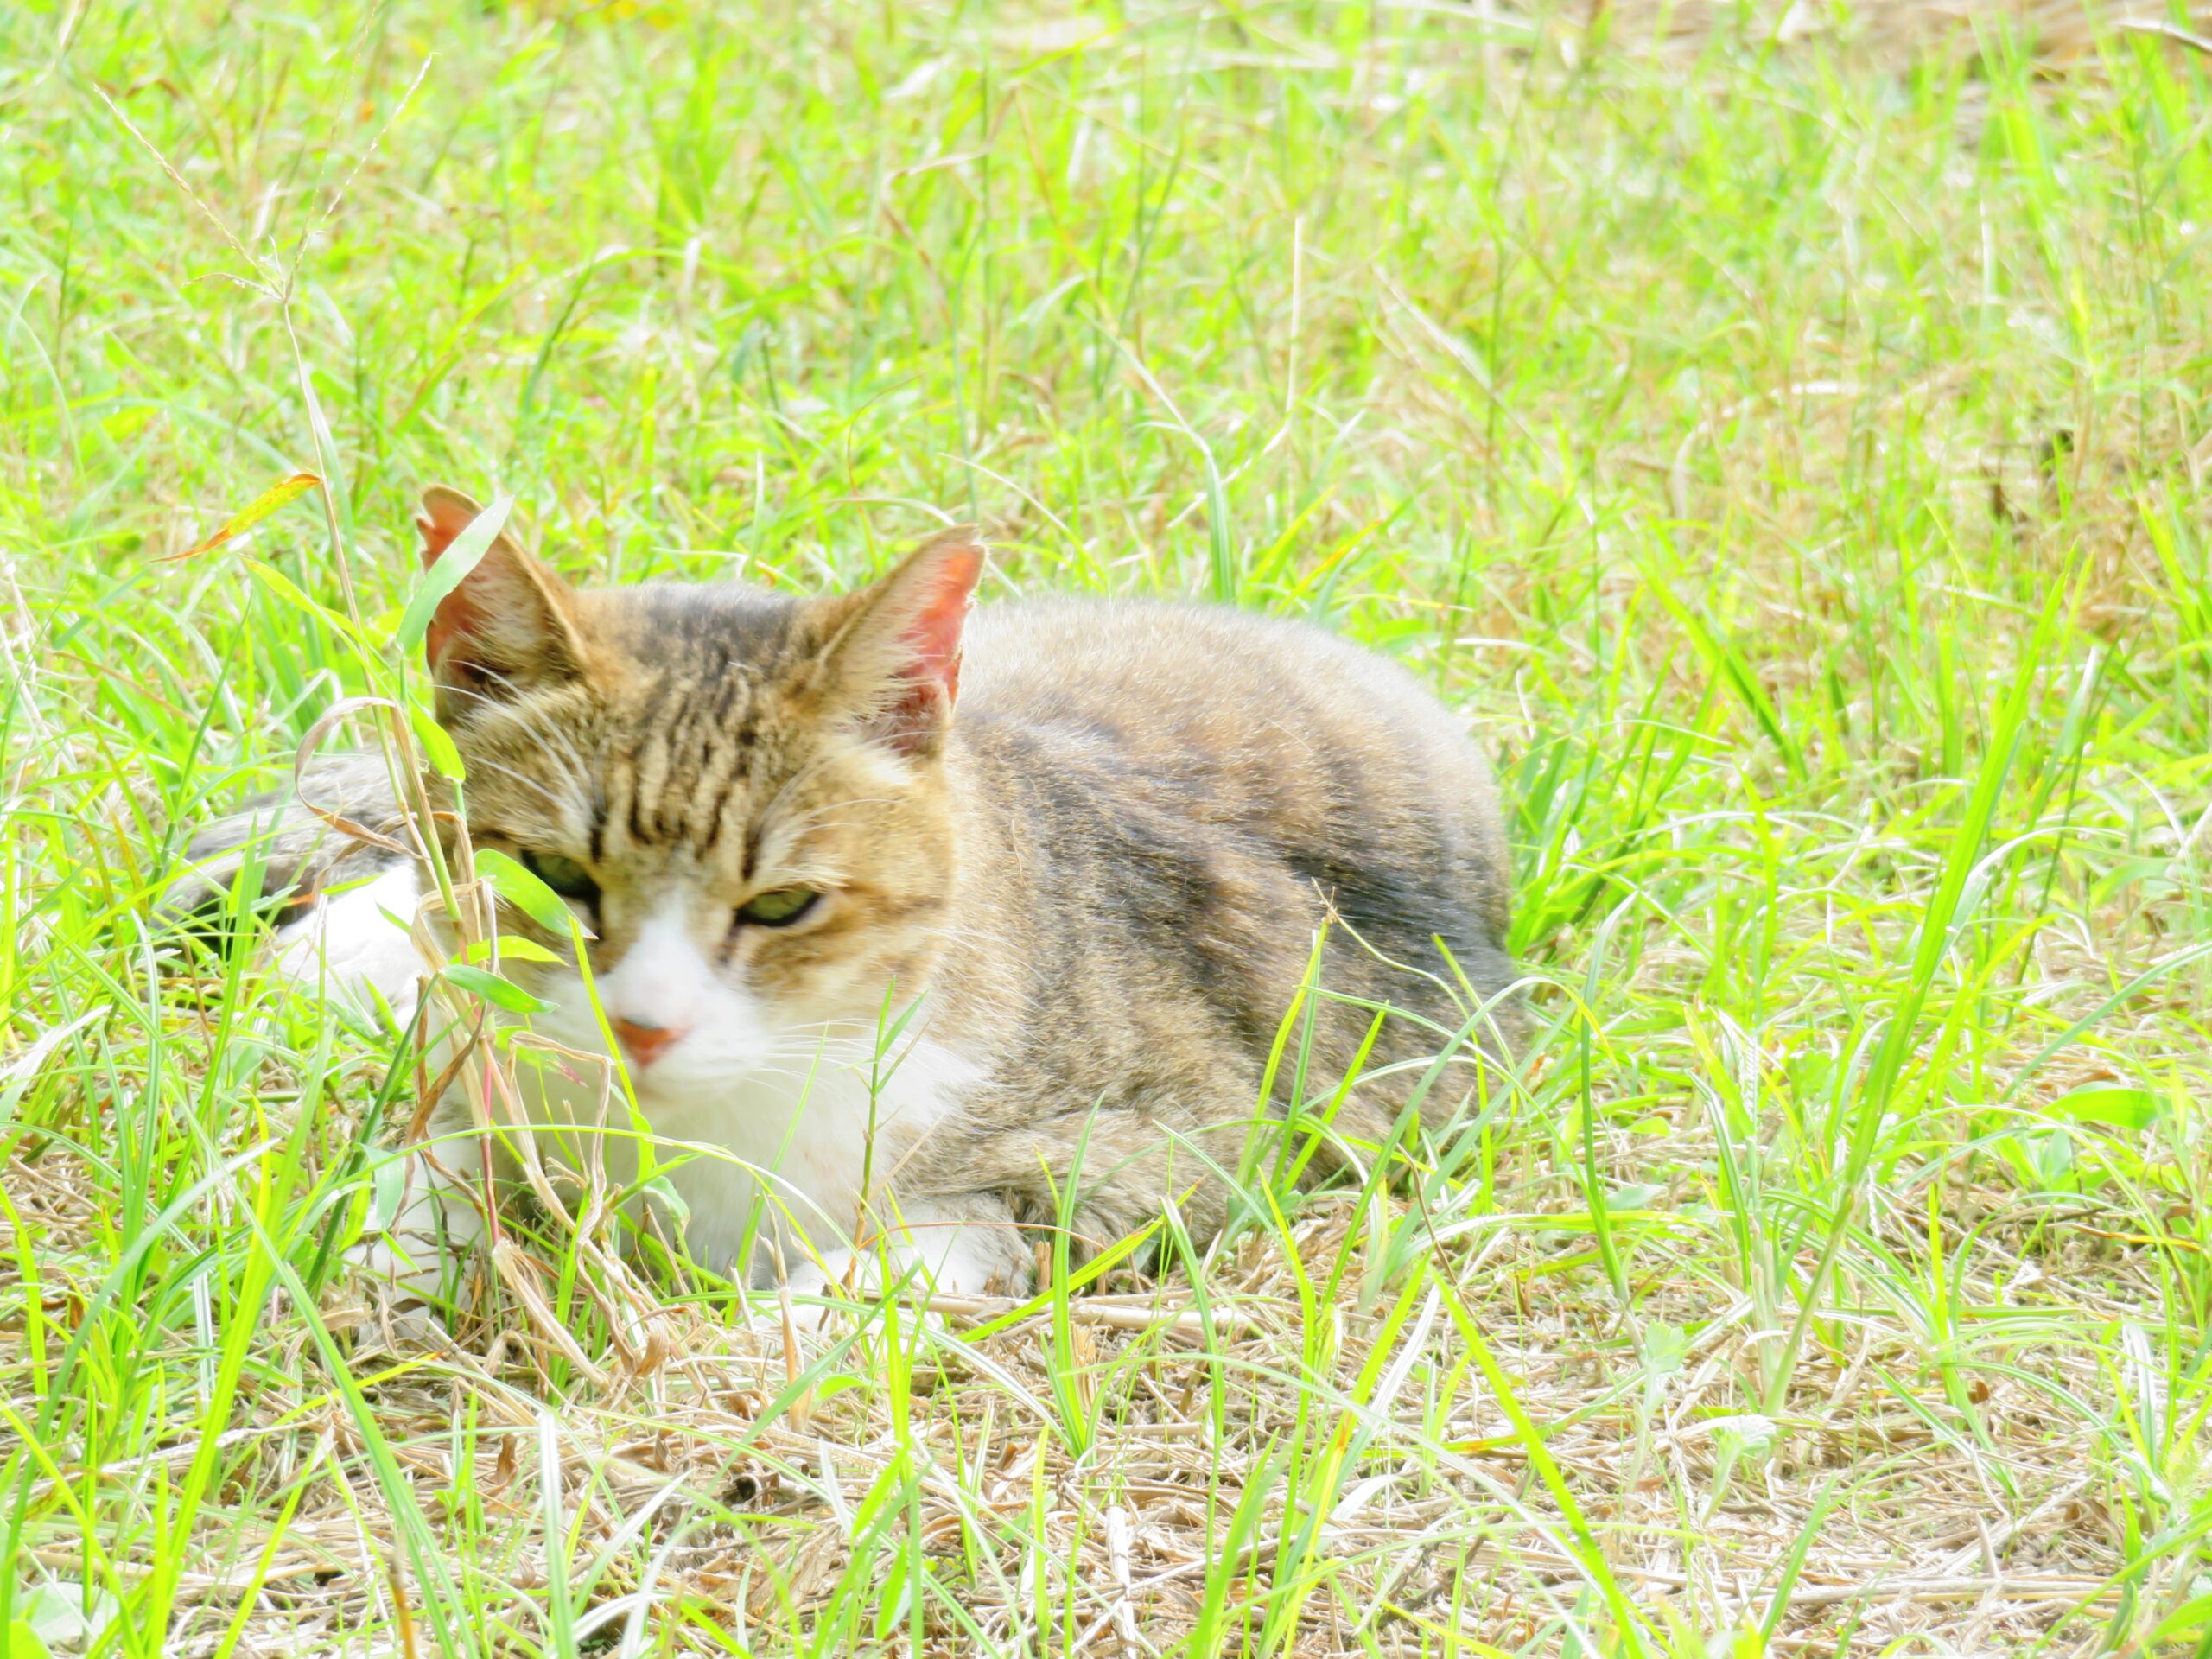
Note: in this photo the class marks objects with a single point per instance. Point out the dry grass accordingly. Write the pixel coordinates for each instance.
(1983, 1535)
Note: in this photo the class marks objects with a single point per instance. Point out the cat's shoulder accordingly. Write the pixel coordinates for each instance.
(1070, 629)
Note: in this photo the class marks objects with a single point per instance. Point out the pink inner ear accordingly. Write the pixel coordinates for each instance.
(933, 634)
(446, 518)
(931, 641)
(457, 614)
(445, 515)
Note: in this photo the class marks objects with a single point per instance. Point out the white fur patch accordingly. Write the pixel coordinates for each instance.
(349, 944)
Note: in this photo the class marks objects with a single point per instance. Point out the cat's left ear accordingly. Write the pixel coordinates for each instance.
(508, 625)
(893, 659)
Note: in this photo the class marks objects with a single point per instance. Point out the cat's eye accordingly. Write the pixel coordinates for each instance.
(564, 876)
(778, 907)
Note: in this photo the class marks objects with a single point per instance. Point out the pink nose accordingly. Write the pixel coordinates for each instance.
(648, 1042)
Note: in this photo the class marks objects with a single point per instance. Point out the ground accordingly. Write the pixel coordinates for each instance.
(1786, 448)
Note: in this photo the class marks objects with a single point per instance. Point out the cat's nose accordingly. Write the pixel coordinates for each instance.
(646, 1044)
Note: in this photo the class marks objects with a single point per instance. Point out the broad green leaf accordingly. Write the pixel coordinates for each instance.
(668, 1201)
(1665, 1349)
(2125, 1109)
(512, 947)
(292, 594)
(444, 758)
(500, 993)
(527, 893)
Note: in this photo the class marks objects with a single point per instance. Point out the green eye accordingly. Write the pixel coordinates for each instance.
(564, 876)
(779, 907)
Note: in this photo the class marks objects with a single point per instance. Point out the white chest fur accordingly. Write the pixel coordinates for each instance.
(787, 1150)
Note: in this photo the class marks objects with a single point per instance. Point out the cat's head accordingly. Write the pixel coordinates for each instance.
(742, 793)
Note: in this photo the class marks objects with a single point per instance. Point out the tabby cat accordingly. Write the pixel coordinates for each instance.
(1088, 844)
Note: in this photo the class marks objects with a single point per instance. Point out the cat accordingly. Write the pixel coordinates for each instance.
(1076, 851)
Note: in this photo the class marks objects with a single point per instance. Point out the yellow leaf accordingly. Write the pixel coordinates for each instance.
(258, 509)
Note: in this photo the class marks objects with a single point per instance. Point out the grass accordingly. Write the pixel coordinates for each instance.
(1790, 457)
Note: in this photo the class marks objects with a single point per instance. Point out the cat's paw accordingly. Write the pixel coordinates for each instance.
(423, 1236)
(934, 1254)
(981, 1261)
(834, 1275)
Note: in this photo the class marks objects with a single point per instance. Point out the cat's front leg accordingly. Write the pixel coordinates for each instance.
(425, 1231)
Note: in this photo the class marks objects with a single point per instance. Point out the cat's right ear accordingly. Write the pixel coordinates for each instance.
(894, 659)
(511, 623)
